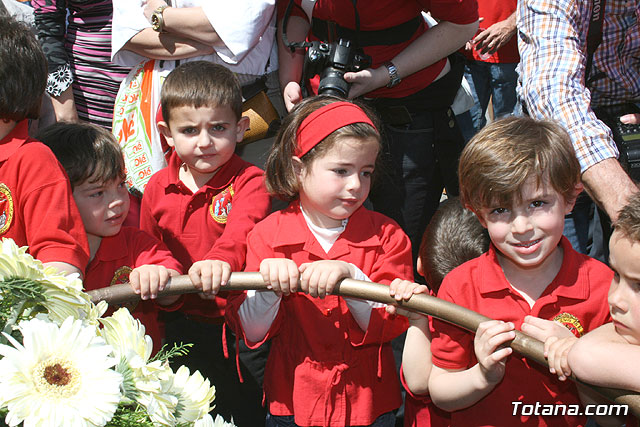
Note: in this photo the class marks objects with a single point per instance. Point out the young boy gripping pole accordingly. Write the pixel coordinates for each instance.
(36, 206)
(454, 235)
(93, 161)
(608, 356)
(520, 177)
(202, 205)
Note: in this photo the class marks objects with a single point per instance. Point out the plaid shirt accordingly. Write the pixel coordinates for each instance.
(552, 39)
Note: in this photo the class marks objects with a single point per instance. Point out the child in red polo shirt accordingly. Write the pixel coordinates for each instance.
(520, 177)
(36, 206)
(330, 361)
(92, 159)
(608, 356)
(202, 205)
(454, 235)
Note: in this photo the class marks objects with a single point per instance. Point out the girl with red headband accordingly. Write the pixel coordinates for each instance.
(330, 362)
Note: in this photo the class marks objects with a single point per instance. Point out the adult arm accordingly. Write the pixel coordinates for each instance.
(153, 45)
(133, 39)
(590, 359)
(496, 36)
(424, 51)
(291, 63)
(435, 44)
(233, 33)
(64, 106)
(50, 21)
(552, 71)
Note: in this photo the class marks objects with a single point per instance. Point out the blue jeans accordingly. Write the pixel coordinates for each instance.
(385, 420)
(488, 81)
(585, 230)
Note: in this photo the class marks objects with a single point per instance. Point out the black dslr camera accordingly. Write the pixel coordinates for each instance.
(331, 61)
(626, 137)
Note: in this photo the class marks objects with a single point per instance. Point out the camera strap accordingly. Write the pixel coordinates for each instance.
(594, 38)
(393, 35)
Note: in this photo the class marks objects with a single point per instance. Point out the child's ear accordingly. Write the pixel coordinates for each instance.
(574, 196)
(419, 267)
(241, 128)
(298, 166)
(163, 127)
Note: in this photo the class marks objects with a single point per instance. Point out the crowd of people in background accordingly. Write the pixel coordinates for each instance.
(523, 206)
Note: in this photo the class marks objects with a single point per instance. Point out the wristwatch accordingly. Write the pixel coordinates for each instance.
(157, 20)
(393, 74)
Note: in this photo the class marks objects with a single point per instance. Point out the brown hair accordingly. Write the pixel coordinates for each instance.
(281, 179)
(86, 151)
(454, 236)
(198, 84)
(23, 71)
(628, 222)
(497, 162)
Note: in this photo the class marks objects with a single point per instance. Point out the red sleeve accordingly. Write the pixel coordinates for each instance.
(456, 11)
(258, 249)
(394, 262)
(451, 346)
(53, 226)
(150, 250)
(147, 221)
(251, 204)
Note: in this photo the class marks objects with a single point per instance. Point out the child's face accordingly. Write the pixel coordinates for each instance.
(204, 137)
(103, 207)
(527, 233)
(335, 185)
(624, 293)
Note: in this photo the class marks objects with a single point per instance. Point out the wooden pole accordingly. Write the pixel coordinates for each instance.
(524, 344)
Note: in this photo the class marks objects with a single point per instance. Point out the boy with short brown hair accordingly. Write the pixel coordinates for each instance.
(202, 205)
(520, 177)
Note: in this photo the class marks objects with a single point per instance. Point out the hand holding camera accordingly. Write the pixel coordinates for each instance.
(331, 61)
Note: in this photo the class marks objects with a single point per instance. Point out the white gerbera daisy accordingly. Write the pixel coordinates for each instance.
(63, 293)
(143, 380)
(194, 395)
(60, 376)
(208, 421)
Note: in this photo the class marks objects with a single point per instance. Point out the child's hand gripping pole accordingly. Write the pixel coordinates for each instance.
(422, 303)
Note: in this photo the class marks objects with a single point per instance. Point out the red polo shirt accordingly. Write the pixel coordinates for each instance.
(36, 204)
(322, 367)
(579, 292)
(114, 260)
(211, 224)
(384, 14)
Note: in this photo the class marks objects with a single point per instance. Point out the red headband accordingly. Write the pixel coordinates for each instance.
(324, 121)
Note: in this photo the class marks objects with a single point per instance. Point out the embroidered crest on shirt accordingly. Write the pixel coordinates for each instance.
(571, 322)
(221, 205)
(122, 276)
(6, 208)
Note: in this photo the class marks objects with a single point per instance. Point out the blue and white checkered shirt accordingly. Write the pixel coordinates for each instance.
(552, 39)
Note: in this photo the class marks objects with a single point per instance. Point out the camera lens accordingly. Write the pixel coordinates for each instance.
(332, 82)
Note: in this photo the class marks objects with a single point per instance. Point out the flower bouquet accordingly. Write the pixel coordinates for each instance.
(62, 364)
